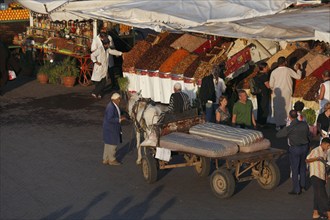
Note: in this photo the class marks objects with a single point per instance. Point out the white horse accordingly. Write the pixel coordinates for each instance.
(145, 116)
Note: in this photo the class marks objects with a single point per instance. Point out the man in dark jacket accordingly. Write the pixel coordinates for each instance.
(298, 134)
(212, 88)
(112, 130)
(263, 98)
(179, 101)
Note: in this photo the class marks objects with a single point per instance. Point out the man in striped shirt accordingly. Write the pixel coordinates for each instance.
(317, 169)
(179, 101)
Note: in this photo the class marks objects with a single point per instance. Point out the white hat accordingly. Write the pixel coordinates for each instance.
(115, 96)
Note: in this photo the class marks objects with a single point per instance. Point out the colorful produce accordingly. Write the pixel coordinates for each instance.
(133, 56)
(14, 14)
(311, 94)
(154, 57)
(168, 38)
(182, 66)
(173, 60)
(189, 42)
(308, 88)
(190, 71)
(204, 69)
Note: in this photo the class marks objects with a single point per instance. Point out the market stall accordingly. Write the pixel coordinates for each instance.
(50, 38)
(231, 34)
(13, 19)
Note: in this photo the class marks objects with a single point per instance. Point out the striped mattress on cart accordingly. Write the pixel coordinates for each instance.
(198, 145)
(248, 140)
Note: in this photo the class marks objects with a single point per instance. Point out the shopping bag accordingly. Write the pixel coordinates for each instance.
(11, 75)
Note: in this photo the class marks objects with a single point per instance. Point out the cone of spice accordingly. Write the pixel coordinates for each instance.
(173, 60)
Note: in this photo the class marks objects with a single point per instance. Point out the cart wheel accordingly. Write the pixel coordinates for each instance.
(269, 175)
(222, 183)
(204, 168)
(148, 151)
(149, 168)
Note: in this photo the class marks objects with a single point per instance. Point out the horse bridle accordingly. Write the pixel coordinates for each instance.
(141, 125)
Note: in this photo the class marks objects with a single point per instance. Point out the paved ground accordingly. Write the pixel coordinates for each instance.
(51, 151)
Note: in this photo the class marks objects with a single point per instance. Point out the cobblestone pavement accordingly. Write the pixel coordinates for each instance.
(51, 151)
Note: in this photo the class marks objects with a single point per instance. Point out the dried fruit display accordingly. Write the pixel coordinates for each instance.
(204, 69)
(173, 60)
(189, 42)
(154, 57)
(311, 94)
(167, 39)
(132, 57)
(307, 88)
(182, 66)
(190, 71)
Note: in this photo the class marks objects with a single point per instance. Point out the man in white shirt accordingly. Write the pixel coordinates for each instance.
(282, 86)
(100, 69)
(97, 43)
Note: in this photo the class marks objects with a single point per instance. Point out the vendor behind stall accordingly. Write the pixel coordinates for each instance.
(100, 58)
(97, 42)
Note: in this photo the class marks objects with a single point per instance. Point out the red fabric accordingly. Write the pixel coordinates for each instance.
(325, 66)
(207, 45)
(164, 75)
(237, 61)
(153, 74)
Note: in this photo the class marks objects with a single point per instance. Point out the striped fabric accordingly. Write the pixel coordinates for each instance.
(256, 146)
(242, 137)
(202, 146)
(317, 168)
(179, 102)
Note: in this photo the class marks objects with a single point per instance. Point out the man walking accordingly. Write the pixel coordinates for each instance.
(298, 138)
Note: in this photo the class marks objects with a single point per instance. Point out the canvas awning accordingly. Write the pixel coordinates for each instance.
(256, 19)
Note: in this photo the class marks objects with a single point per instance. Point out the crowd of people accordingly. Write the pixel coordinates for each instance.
(290, 122)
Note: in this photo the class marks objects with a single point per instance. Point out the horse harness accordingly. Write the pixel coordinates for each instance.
(141, 125)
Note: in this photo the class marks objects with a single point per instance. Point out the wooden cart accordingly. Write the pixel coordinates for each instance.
(240, 167)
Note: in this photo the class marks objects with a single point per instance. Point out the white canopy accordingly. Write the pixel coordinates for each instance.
(178, 14)
(256, 19)
(42, 6)
(290, 25)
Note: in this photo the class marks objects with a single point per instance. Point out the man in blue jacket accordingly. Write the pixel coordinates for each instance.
(112, 130)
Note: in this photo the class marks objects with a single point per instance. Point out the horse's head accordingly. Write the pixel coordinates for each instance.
(133, 97)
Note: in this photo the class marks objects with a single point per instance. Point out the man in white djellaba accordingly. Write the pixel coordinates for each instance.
(100, 58)
(97, 43)
(282, 86)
